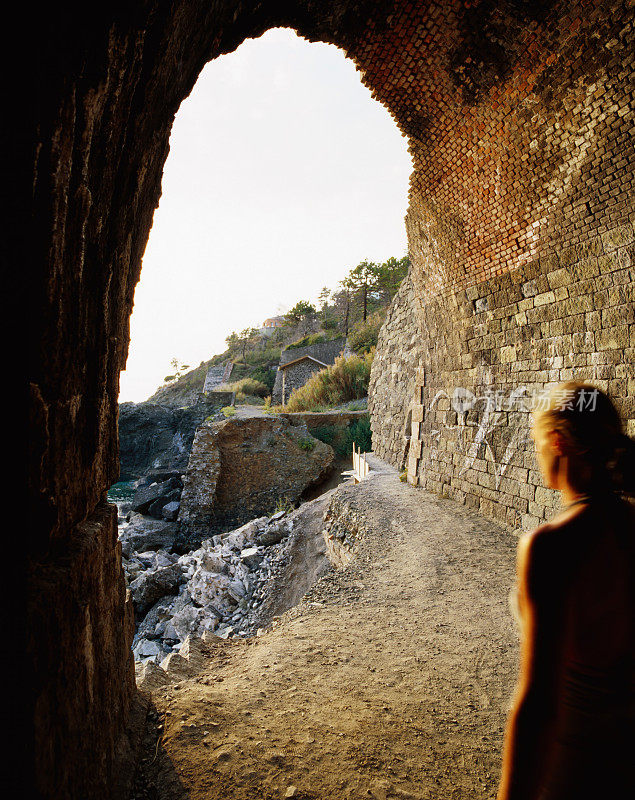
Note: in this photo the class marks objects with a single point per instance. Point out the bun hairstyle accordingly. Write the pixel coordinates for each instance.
(591, 425)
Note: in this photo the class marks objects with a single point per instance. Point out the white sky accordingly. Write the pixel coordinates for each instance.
(283, 174)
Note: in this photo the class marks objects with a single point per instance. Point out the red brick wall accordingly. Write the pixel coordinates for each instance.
(520, 233)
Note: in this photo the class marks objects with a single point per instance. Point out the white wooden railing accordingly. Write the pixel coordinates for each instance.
(360, 465)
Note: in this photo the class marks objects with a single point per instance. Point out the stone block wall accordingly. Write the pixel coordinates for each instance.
(521, 241)
(568, 316)
(213, 377)
(214, 400)
(218, 375)
(391, 389)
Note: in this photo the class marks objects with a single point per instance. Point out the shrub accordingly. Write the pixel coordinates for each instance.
(265, 376)
(347, 379)
(248, 386)
(307, 443)
(364, 335)
(309, 339)
(341, 439)
(358, 432)
(325, 433)
(263, 358)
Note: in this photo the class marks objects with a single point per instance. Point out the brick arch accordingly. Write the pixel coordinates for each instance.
(516, 116)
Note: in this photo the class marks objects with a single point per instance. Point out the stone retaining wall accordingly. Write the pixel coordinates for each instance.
(569, 315)
(392, 378)
(316, 419)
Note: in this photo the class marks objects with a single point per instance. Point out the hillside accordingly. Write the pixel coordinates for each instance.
(184, 390)
(356, 310)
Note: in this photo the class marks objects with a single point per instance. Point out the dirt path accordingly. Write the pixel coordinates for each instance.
(246, 412)
(390, 680)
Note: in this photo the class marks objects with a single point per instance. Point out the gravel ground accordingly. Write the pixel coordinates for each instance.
(391, 679)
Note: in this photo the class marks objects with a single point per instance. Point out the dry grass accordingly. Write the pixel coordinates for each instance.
(245, 388)
(346, 379)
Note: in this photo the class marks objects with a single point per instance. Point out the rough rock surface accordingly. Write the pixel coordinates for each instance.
(240, 468)
(143, 533)
(170, 511)
(153, 584)
(391, 390)
(158, 437)
(230, 586)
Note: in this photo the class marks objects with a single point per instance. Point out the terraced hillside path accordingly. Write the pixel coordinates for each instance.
(391, 679)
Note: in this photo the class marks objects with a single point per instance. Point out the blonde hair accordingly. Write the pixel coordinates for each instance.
(592, 429)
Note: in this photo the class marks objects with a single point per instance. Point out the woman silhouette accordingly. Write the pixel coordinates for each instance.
(570, 732)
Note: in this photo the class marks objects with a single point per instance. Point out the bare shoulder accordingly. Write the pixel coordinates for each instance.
(538, 558)
(539, 537)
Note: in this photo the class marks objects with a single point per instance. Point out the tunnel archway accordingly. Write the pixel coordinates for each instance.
(520, 233)
(282, 173)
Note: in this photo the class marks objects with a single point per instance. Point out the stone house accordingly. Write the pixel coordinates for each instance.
(297, 373)
(297, 364)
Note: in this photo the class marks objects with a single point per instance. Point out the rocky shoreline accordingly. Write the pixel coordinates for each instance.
(203, 560)
(225, 587)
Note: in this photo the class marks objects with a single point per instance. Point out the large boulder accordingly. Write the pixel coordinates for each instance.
(156, 494)
(194, 620)
(240, 468)
(154, 584)
(158, 476)
(144, 533)
(170, 511)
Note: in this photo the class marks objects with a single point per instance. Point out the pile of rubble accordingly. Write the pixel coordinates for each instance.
(216, 589)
